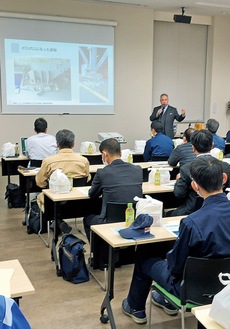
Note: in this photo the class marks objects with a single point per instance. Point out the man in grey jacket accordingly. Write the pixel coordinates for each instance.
(166, 114)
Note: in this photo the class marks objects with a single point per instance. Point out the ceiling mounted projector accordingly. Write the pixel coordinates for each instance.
(182, 18)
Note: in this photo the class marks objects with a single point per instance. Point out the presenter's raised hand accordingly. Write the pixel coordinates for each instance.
(159, 112)
(183, 112)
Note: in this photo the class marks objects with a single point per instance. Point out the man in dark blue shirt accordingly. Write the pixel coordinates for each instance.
(204, 233)
(159, 146)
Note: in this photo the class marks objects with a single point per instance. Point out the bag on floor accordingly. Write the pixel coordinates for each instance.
(72, 260)
(34, 220)
(15, 197)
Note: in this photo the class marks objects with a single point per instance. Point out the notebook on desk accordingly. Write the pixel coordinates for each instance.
(23, 145)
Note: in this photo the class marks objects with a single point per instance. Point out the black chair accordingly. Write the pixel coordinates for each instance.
(199, 285)
(77, 182)
(160, 158)
(35, 163)
(82, 181)
(115, 212)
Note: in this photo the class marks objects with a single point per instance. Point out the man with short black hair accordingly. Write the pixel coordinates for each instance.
(205, 233)
(41, 145)
(212, 125)
(202, 143)
(183, 153)
(160, 146)
(118, 181)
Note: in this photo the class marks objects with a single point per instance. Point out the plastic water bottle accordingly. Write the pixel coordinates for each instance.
(157, 177)
(130, 158)
(129, 214)
(221, 155)
(90, 149)
(17, 150)
(69, 175)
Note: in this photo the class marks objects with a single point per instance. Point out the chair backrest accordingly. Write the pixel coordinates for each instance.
(35, 163)
(200, 279)
(82, 181)
(115, 212)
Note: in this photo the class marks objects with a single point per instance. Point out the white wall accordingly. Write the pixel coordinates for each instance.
(133, 72)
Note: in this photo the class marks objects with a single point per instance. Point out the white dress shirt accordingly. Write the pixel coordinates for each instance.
(40, 146)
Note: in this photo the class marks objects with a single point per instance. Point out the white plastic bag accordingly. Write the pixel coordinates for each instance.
(125, 154)
(84, 147)
(151, 207)
(164, 173)
(220, 308)
(139, 146)
(215, 152)
(59, 182)
(8, 149)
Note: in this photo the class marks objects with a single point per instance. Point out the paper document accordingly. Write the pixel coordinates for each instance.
(173, 228)
(5, 277)
(84, 189)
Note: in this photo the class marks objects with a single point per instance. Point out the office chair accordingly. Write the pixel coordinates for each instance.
(199, 284)
(35, 163)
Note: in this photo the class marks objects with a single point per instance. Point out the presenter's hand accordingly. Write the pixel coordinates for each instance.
(183, 112)
(159, 112)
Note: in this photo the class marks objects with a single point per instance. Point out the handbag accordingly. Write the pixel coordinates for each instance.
(72, 259)
(220, 308)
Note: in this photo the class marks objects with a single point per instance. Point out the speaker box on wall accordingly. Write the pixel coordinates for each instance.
(182, 19)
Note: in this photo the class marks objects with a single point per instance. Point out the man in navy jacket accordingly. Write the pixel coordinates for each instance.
(204, 233)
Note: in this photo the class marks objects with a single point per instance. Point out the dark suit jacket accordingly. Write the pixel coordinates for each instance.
(118, 182)
(181, 154)
(167, 119)
(183, 190)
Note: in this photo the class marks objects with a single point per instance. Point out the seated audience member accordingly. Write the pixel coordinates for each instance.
(65, 159)
(11, 316)
(41, 145)
(118, 181)
(212, 125)
(183, 153)
(204, 233)
(202, 143)
(159, 145)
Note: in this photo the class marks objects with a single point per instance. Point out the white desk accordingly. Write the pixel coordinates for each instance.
(202, 315)
(20, 284)
(115, 241)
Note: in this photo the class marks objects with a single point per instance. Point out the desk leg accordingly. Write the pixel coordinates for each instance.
(200, 326)
(55, 239)
(110, 292)
(27, 207)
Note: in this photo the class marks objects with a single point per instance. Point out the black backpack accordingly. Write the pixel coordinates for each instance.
(15, 196)
(34, 220)
(72, 260)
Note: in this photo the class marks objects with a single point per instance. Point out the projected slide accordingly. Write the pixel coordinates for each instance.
(55, 73)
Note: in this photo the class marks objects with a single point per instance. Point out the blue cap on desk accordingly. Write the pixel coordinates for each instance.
(139, 229)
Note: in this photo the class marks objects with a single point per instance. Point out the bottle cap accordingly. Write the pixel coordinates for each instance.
(130, 205)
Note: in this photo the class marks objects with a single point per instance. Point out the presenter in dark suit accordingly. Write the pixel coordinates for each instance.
(118, 181)
(167, 114)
